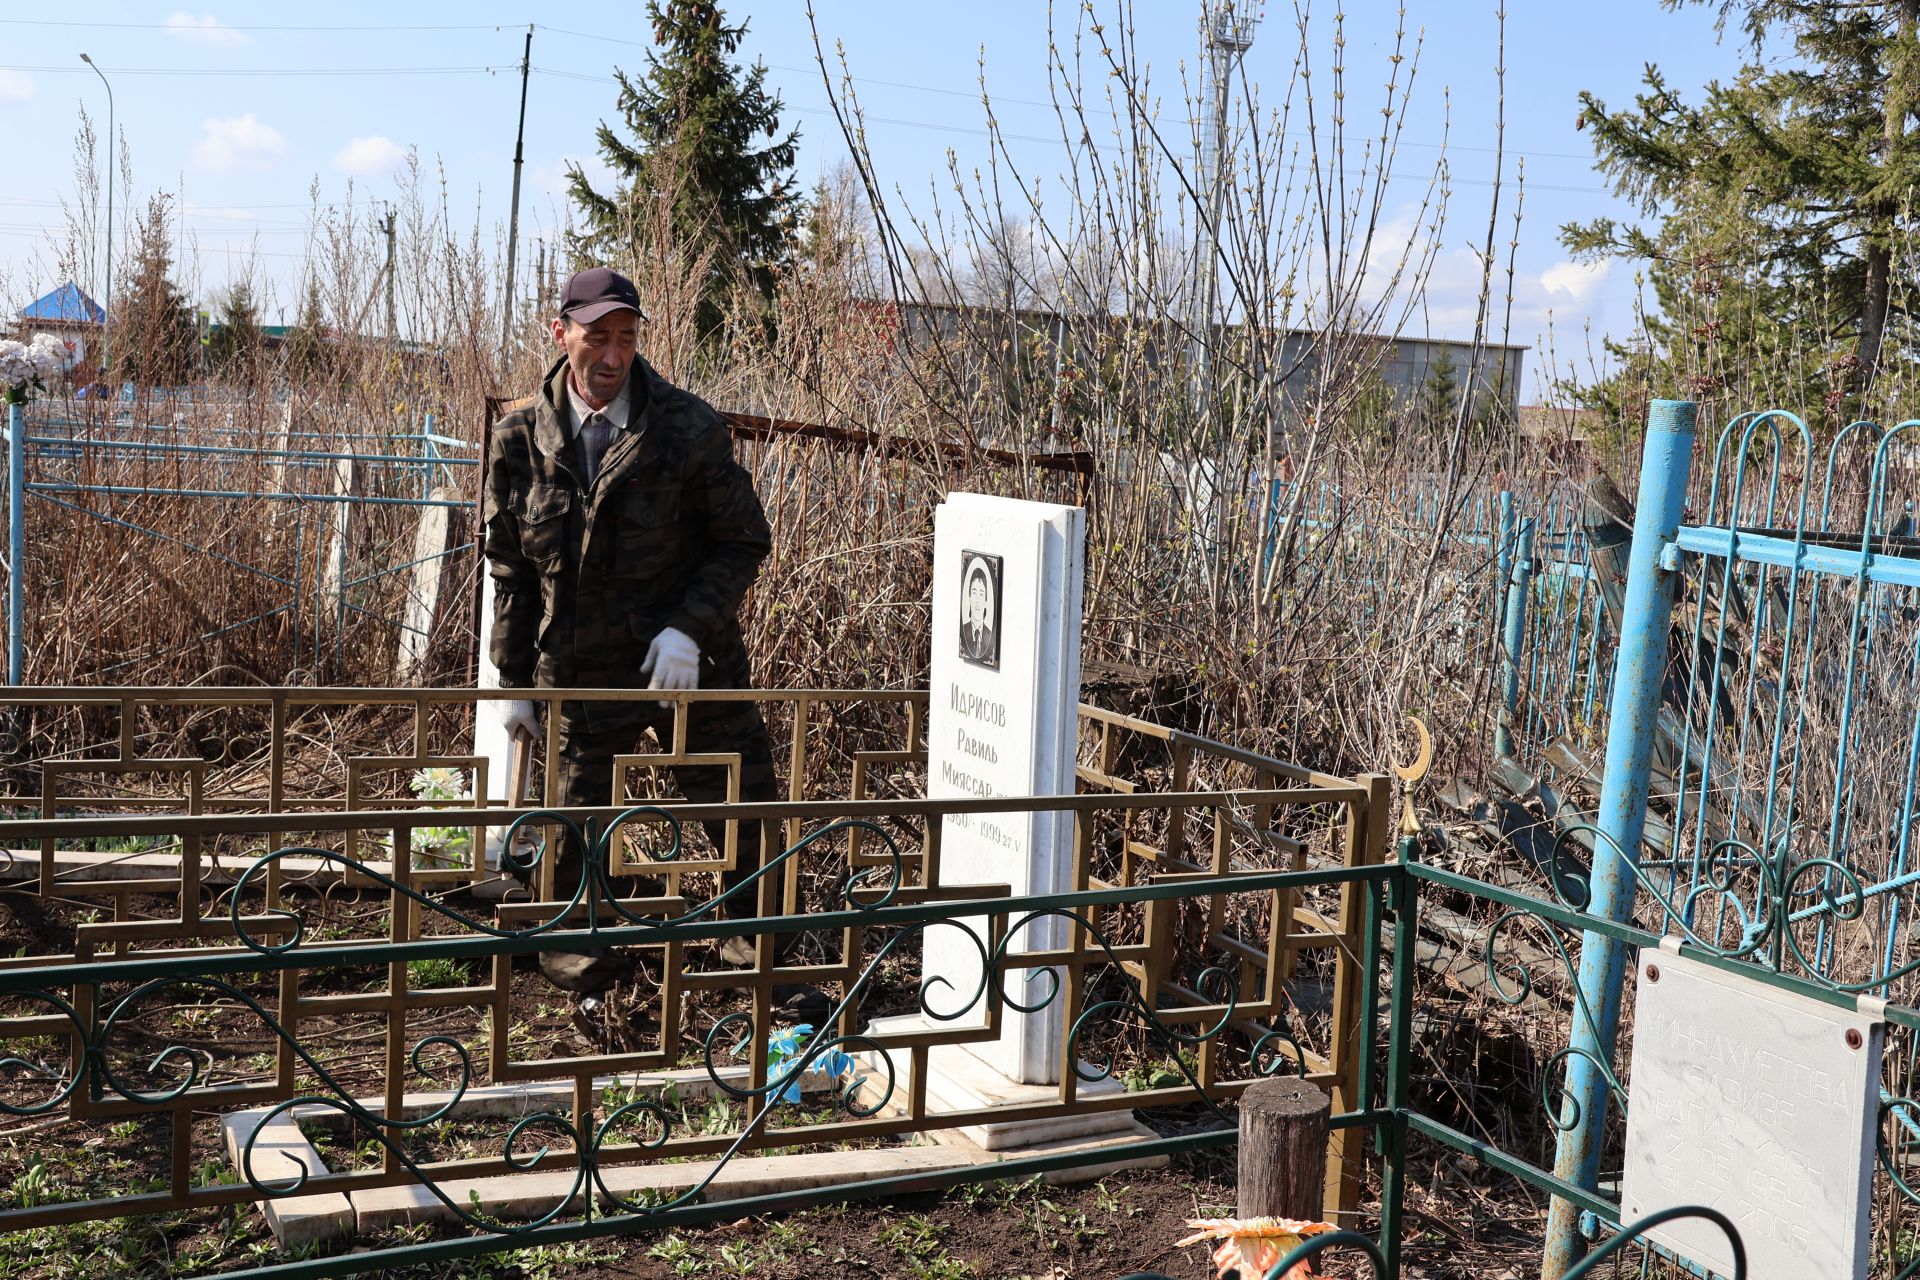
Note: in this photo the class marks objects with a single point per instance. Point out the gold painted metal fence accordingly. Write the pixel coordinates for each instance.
(288, 971)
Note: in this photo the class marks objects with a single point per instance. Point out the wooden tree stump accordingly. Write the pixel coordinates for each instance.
(1283, 1150)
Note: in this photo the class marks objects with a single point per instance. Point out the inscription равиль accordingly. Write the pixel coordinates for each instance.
(976, 740)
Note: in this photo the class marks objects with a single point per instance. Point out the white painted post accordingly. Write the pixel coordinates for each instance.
(423, 588)
(338, 547)
(279, 443)
(489, 726)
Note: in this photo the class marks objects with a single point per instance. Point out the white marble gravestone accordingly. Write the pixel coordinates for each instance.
(1004, 692)
(1757, 1102)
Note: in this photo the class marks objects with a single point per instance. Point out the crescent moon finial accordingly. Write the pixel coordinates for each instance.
(1423, 759)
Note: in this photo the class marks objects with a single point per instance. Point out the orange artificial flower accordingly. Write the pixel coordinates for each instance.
(1252, 1245)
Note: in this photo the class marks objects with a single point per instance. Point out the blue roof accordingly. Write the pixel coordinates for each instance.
(66, 305)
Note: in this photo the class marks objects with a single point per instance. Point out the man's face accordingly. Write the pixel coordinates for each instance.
(600, 354)
(977, 602)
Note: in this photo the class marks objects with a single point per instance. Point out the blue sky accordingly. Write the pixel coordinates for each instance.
(240, 109)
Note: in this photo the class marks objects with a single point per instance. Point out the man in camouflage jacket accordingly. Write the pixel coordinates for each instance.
(622, 535)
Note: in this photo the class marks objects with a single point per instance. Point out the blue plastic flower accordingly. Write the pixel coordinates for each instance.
(787, 1045)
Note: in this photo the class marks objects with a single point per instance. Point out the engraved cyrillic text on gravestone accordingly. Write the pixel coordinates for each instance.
(1757, 1102)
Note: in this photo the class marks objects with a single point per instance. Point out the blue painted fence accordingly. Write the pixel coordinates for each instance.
(107, 468)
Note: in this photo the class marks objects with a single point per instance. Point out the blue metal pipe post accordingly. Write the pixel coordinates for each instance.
(1519, 580)
(1503, 547)
(16, 542)
(1640, 667)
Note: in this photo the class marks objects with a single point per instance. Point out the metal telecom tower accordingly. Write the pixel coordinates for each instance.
(1227, 27)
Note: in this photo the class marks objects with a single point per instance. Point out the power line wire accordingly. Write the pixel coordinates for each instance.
(1004, 99)
(192, 29)
(198, 73)
(976, 131)
(972, 94)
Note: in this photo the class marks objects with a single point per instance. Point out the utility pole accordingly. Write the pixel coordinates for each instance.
(513, 219)
(392, 328)
(1228, 34)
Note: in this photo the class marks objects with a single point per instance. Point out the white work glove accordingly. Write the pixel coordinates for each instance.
(521, 717)
(673, 660)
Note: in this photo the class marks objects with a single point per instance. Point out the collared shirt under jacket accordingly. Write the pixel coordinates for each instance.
(669, 534)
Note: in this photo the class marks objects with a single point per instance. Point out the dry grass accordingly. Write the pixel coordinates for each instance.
(1310, 642)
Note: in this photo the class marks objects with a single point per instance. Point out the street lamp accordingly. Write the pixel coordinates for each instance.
(106, 305)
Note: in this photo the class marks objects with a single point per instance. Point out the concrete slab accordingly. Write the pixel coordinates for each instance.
(528, 1195)
(516, 1100)
(958, 1080)
(85, 866)
(79, 866)
(282, 1150)
(280, 1153)
(522, 1197)
(1135, 1132)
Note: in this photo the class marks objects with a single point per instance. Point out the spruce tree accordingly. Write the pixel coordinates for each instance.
(1438, 401)
(1782, 196)
(706, 167)
(306, 349)
(233, 349)
(155, 342)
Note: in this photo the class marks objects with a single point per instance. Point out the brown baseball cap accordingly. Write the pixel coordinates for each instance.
(594, 292)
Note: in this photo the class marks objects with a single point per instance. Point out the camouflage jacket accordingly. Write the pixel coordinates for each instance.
(670, 534)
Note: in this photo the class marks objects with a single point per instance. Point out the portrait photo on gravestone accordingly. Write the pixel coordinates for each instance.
(980, 609)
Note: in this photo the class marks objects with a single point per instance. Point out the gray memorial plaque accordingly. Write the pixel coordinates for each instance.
(1756, 1102)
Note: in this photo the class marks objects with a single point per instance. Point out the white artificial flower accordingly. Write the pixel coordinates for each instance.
(18, 362)
(440, 784)
(25, 365)
(49, 353)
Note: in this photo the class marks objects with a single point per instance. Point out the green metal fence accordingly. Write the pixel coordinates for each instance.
(290, 998)
(284, 982)
(1217, 1043)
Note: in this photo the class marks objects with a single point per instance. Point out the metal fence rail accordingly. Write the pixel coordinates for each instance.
(243, 923)
(169, 484)
(1750, 658)
(1758, 791)
(593, 1139)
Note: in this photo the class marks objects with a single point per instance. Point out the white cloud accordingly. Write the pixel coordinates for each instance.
(15, 86)
(243, 144)
(369, 155)
(1553, 302)
(1576, 279)
(205, 29)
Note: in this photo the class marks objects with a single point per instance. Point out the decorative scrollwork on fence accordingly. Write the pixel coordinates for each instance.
(1898, 1115)
(1760, 918)
(64, 1082)
(548, 1139)
(1562, 1109)
(1633, 1234)
(867, 889)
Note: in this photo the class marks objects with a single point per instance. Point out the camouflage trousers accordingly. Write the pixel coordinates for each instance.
(593, 733)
